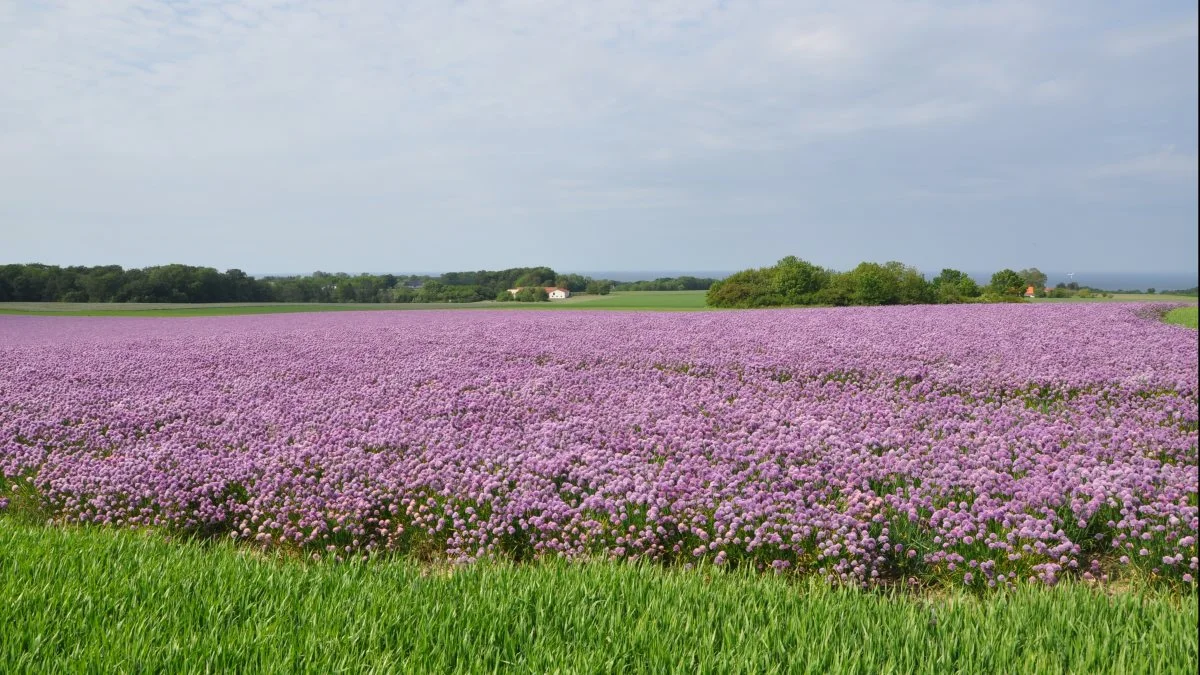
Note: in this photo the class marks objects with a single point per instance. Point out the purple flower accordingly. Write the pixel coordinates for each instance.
(1005, 435)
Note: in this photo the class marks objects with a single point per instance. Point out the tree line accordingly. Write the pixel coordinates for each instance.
(793, 281)
(192, 284)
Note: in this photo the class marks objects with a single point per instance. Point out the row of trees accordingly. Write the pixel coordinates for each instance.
(111, 283)
(526, 294)
(683, 283)
(793, 281)
(186, 283)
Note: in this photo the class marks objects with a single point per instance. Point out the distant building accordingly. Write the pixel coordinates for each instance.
(554, 292)
(1029, 292)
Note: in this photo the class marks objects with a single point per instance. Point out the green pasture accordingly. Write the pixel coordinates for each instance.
(102, 600)
(1183, 316)
(625, 300)
(661, 300)
(1126, 297)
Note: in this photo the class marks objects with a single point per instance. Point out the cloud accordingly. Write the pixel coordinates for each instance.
(279, 118)
(1141, 40)
(1164, 164)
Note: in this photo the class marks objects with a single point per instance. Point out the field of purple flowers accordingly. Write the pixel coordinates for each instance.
(986, 445)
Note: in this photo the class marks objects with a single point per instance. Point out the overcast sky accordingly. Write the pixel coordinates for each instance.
(289, 136)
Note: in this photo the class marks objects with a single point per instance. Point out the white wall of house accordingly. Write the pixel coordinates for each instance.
(556, 294)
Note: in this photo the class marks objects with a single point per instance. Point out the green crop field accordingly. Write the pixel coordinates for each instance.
(100, 600)
(1184, 316)
(624, 300)
(1126, 297)
(674, 300)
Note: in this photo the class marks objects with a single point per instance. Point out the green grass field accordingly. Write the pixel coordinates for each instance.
(660, 300)
(1183, 316)
(99, 600)
(1126, 297)
(627, 300)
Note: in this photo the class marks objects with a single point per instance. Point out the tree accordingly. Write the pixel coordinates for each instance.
(748, 288)
(103, 283)
(683, 283)
(598, 288)
(874, 284)
(1032, 276)
(1007, 282)
(536, 276)
(952, 286)
(796, 280)
(532, 294)
(911, 286)
(433, 291)
(839, 292)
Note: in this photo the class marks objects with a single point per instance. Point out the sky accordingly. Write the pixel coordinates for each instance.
(291, 136)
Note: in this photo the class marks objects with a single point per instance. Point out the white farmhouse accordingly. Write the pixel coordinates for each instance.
(554, 292)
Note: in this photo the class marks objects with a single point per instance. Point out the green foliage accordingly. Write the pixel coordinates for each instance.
(840, 291)
(1032, 276)
(951, 286)
(683, 283)
(797, 281)
(911, 285)
(745, 289)
(874, 285)
(1193, 291)
(576, 283)
(793, 281)
(532, 294)
(92, 600)
(992, 297)
(1007, 283)
(598, 287)
(111, 283)
(537, 276)
(186, 284)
